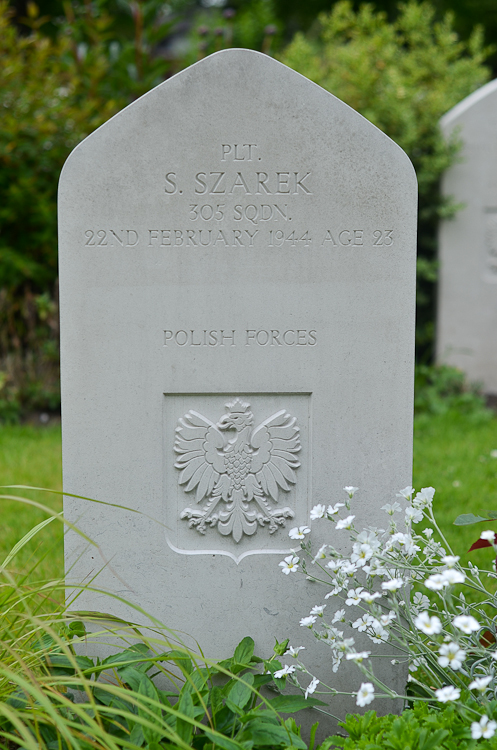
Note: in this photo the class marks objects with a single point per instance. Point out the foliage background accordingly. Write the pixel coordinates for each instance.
(68, 66)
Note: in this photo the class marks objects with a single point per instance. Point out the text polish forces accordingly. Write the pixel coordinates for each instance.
(249, 337)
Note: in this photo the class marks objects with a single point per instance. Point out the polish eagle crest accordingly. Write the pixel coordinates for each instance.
(236, 470)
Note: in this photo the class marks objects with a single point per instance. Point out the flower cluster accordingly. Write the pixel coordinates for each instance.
(380, 586)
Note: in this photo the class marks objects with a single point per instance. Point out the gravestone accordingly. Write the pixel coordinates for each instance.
(237, 275)
(467, 296)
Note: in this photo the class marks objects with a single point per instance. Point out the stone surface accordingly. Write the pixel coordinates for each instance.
(467, 297)
(237, 262)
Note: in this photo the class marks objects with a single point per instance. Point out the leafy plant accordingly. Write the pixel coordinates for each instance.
(440, 388)
(402, 76)
(445, 642)
(151, 691)
(420, 728)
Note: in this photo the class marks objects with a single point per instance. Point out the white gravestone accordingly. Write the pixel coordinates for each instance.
(467, 296)
(237, 273)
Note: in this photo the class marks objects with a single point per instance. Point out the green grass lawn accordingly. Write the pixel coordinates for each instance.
(31, 456)
(452, 453)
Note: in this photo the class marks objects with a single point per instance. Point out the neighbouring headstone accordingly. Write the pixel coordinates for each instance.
(237, 276)
(467, 296)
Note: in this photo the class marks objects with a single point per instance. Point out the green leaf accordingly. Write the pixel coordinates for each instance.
(466, 519)
(185, 706)
(244, 651)
(132, 677)
(137, 737)
(221, 741)
(288, 704)
(241, 692)
(147, 709)
(181, 659)
(264, 733)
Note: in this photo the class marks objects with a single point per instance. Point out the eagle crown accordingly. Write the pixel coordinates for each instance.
(238, 417)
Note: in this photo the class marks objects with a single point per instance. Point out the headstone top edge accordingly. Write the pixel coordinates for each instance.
(449, 119)
(231, 53)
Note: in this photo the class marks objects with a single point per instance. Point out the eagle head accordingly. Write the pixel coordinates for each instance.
(237, 417)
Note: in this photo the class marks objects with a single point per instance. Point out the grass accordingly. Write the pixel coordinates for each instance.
(32, 456)
(452, 453)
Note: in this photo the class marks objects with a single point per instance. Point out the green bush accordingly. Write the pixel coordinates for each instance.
(441, 388)
(402, 76)
(421, 728)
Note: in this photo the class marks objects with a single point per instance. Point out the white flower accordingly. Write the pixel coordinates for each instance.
(339, 616)
(414, 515)
(428, 533)
(436, 582)
(379, 634)
(344, 645)
(299, 532)
(311, 687)
(424, 498)
(466, 623)
(348, 568)
(390, 509)
(351, 491)
(354, 597)
(494, 655)
(319, 511)
(345, 523)
(294, 651)
(321, 553)
(332, 510)
(429, 625)
(480, 683)
(448, 693)
(369, 596)
(420, 601)
(318, 610)
(394, 585)
(289, 565)
(406, 493)
(405, 542)
(489, 536)
(452, 576)
(308, 622)
(483, 728)
(333, 565)
(282, 672)
(365, 694)
(450, 560)
(357, 656)
(388, 619)
(374, 569)
(451, 656)
(361, 554)
(362, 622)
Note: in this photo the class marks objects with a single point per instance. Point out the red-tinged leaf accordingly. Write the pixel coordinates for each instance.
(487, 639)
(480, 544)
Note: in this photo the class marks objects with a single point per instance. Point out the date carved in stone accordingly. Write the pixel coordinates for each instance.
(238, 470)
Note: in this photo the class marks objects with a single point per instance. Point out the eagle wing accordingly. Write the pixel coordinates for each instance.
(199, 445)
(277, 441)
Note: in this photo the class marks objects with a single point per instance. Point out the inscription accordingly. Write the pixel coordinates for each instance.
(245, 237)
(237, 470)
(248, 337)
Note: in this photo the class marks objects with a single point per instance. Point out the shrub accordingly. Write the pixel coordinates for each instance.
(381, 584)
(402, 76)
(152, 691)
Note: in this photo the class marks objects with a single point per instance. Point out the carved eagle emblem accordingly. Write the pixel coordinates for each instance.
(236, 469)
